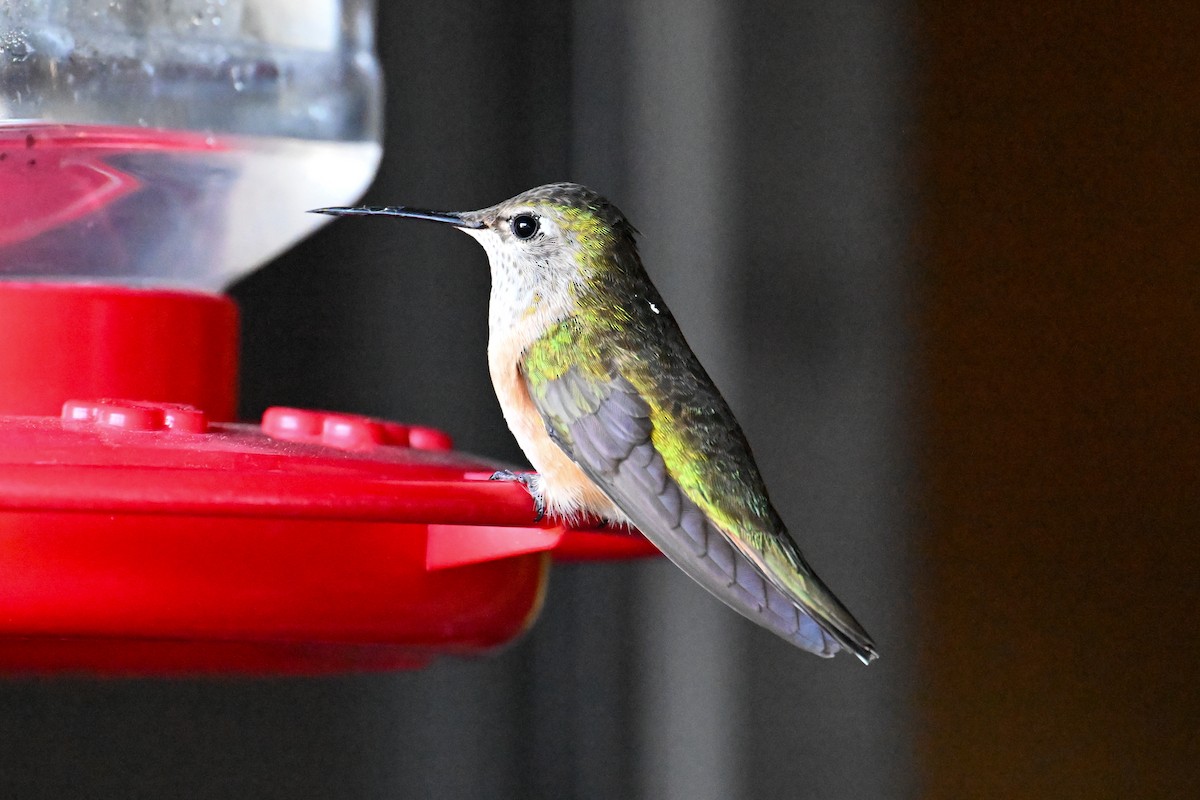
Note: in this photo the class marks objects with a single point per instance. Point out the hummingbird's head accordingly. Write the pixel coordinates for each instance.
(557, 234)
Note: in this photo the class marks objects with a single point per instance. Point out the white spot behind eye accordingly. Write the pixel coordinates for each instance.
(653, 307)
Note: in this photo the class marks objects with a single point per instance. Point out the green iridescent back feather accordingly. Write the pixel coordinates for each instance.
(622, 326)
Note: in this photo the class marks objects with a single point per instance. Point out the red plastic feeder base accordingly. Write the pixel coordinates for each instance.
(138, 537)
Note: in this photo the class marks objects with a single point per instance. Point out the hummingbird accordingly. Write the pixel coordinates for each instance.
(617, 416)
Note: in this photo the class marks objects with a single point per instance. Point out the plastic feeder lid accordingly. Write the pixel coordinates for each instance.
(141, 538)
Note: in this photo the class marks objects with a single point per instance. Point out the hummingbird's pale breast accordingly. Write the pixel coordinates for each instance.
(520, 313)
(566, 490)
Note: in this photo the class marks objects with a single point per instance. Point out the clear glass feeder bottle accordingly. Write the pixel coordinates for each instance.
(178, 143)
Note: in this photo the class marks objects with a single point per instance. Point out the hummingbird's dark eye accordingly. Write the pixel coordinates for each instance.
(524, 226)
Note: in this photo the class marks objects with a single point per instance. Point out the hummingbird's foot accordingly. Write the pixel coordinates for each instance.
(526, 480)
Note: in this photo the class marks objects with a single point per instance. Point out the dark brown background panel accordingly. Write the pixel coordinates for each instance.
(1060, 248)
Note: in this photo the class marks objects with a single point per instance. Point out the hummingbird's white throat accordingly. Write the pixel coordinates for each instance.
(534, 283)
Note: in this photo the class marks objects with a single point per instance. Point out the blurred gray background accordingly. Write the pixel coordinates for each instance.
(760, 149)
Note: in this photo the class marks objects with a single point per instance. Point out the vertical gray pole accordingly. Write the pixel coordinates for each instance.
(679, 140)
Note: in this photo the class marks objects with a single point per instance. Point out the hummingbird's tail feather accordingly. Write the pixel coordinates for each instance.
(792, 575)
(679, 528)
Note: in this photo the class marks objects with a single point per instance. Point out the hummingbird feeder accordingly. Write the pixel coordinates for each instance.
(149, 156)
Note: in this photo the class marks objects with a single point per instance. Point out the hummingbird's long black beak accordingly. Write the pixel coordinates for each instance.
(400, 211)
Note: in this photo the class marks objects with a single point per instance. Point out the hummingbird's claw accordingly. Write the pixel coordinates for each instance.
(526, 480)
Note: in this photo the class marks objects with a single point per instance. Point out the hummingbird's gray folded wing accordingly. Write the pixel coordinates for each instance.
(605, 427)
